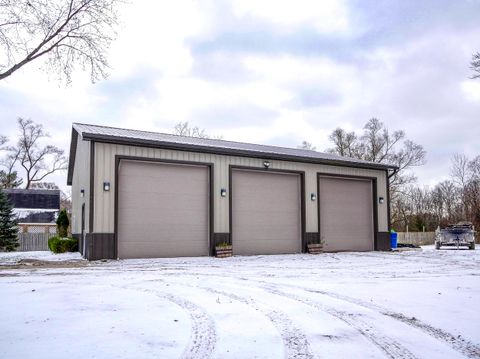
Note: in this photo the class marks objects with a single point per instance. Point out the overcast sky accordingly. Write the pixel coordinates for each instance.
(276, 72)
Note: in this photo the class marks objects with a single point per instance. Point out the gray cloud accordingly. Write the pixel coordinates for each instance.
(220, 67)
(234, 116)
(310, 97)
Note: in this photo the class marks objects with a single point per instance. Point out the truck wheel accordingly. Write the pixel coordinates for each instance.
(437, 245)
(472, 246)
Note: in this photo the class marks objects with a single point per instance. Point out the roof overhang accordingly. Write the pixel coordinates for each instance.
(230, 151)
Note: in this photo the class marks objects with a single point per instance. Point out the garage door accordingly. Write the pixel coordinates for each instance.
(163, 210)
(346, 214)
(266, 212)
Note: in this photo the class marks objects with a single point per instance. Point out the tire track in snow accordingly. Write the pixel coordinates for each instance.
(387, 345)
(294, 339)
(203, 335)
(203, 338)
(458, 343)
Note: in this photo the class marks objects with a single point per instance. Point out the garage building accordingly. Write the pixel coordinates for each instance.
(138, 194)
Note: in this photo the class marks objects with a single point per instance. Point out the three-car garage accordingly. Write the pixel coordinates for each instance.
(157, 195)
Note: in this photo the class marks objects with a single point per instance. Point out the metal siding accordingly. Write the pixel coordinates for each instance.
(104, 220)
(81, 180)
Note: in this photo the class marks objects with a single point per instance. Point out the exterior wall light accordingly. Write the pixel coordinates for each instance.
(106, 186)
(223, 192)
(381, 200)
(82, 193)
(313, 196)
(266, 164)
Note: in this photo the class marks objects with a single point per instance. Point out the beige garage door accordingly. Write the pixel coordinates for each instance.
(163, 210)
(346, 214)
(266, 212)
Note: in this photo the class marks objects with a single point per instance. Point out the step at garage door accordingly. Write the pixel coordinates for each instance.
(266, 212)
(346, 214)
(163, 210)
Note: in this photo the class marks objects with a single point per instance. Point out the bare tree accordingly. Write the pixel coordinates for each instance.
(377, 144)
(8, 177)
(459, 169)
(3, 140)
(64, 32)
(307, 146)
(345, 143)
(475, 65)
(36, 160)
(185, 129)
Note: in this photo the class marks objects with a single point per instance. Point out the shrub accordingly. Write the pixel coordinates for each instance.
(223, 245)
(63, 223)
(62, 245)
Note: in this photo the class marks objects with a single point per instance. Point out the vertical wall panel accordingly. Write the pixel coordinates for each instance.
(104, 169)
(81, 180)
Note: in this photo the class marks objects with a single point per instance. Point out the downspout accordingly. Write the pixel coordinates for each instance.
(395, 171)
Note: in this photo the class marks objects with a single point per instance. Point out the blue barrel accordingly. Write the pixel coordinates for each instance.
(393, 240)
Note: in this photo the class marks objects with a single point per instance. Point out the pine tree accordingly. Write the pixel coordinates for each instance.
(63, 223)
(8, 225)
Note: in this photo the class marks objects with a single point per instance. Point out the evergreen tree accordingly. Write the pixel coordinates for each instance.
(63, 223)
(8, 225)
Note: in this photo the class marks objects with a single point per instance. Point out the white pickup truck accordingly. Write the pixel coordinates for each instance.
(455, 235)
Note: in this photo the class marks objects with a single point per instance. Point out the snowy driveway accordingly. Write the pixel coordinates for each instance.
(418, 304)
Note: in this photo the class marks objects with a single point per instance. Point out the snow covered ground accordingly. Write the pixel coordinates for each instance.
(416, 304)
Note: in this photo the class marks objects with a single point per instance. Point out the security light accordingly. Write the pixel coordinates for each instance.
(381, 200)
(313, 196)
(106, 186)
(266, 164)
(223, 192)
(82, 193)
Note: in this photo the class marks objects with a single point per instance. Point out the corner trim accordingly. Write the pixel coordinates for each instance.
(389, 213)
(92, 187)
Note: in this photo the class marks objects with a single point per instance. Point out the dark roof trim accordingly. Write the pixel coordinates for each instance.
(227, 151)
(71, 157)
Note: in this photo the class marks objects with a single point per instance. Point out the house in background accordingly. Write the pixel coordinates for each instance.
(138, 194)
(36, 209)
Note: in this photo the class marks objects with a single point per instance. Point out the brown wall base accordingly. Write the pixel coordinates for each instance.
(383, 241)
(102, 245)
(310, 237)
(99, 246)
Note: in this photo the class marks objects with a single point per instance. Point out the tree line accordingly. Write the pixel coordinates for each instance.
(454, 200)
(413, 207)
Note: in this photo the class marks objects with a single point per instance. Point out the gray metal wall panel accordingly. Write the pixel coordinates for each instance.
(81, 180)
(105, 171)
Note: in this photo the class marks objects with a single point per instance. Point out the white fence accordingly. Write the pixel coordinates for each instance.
(417, 238)
(34, 241)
